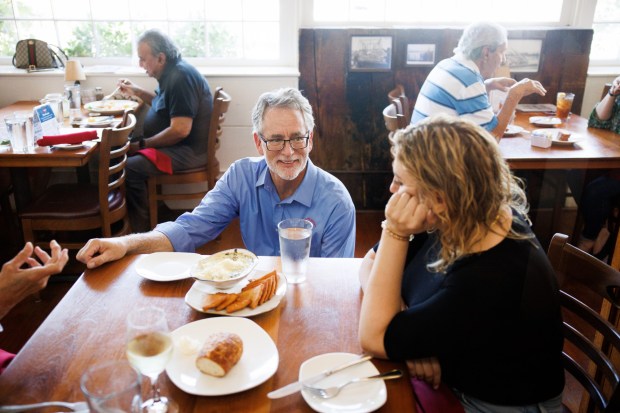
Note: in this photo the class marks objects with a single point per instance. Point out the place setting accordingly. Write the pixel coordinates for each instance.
(337, 382)
(228, 283)
(513, 130)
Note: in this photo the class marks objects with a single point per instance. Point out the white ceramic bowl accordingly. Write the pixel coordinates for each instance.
(224, 269)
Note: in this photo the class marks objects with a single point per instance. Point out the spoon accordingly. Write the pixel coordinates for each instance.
(329, 392)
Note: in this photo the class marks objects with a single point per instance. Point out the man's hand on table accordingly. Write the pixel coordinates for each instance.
(98, 251)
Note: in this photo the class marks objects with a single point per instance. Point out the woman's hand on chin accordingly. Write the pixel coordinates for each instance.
(406, 214)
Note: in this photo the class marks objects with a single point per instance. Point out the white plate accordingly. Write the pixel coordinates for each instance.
(258, 362)
(110, 107)
(545, 120)
(572, 139)
(356, 398)
(68, 146)
(166, 266)
(195, 295)
(512, 130)
(95, 121)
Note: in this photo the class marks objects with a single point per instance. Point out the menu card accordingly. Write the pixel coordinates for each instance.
(45, 123)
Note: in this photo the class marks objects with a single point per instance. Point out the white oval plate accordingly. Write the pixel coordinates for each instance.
(196, 294)
(572, 139)
(95, 121)
(356, 398)
(110, 107)
(166, 266)
(68, 146)
(512, 130)
(258, 362)
(545, 120)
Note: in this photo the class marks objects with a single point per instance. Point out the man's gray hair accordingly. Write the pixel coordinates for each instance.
(478, 35)
(160, 43)
(281, 98)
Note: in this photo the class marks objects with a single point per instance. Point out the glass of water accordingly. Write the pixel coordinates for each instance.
(17, 129)
(295, 236)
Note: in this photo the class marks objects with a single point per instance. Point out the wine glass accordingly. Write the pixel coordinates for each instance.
(149, 348)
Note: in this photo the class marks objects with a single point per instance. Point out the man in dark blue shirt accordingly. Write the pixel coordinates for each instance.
(176, 124)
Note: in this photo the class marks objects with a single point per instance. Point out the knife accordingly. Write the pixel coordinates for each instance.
(297, 386)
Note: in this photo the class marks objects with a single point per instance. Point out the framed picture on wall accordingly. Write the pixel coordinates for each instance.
(523, 55)
(371, 53)
(420, 54)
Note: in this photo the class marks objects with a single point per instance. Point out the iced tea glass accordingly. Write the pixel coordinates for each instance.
(563, 105)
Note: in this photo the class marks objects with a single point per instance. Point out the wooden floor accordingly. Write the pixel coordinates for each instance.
(25, 318)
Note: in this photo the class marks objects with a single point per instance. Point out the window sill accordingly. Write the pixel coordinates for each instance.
(603, 71)
(116, 71)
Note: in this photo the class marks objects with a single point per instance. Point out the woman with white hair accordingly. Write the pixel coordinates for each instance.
(460, 85)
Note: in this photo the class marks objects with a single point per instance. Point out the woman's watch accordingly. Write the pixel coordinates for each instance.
(141, 143)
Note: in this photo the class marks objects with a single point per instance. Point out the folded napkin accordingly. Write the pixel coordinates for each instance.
(158, 158)
(70, 138)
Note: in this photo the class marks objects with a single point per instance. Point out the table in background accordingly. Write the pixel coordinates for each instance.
(88, 326)
(597, 149)
(39, 157)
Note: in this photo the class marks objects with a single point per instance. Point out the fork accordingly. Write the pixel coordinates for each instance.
(329, 392)
(74, 407)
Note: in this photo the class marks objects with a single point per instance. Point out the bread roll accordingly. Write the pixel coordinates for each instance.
(219, 354)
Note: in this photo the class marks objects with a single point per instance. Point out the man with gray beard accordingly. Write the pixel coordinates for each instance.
(260, 191)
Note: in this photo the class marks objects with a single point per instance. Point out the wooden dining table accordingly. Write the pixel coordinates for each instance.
(596, 149)
(39, 157)
(88, 326)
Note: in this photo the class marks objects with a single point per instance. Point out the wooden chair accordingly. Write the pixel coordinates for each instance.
(393, 120)
(208, 173)
(398, 94)
(591, 338)
(81, 210)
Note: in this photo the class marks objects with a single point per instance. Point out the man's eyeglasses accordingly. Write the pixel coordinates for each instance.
(296, 142)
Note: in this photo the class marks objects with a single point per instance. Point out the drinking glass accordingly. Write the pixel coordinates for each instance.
(72, 93)
(112, 387)
(28, 116)
(295, 236)
(149, 348)
(564, 103)
(17, 130)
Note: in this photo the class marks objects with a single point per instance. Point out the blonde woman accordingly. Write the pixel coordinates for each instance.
(459, 285)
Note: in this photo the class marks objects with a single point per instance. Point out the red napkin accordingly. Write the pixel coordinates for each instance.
(5, 359)
(71, 138)
(430, 400)
(159, 159)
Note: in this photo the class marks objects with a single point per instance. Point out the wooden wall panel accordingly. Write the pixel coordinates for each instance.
(350, 137)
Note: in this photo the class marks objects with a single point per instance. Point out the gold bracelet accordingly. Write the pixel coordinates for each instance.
(394, 235)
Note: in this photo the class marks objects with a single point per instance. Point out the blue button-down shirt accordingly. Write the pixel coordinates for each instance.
(247, 191)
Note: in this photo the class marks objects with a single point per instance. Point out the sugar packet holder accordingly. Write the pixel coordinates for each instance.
(542, 139)
(44, 122)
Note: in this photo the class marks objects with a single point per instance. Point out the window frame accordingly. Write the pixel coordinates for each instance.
(287, 43)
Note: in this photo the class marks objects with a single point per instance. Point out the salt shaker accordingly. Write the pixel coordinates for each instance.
(98, 93)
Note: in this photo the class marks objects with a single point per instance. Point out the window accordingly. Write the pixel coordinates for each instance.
(213, 32)
(606, 25)
(437, 11)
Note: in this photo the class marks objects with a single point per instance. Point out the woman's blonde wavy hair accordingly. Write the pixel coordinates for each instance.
(459, 162)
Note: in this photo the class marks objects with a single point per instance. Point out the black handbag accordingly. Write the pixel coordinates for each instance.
(33, 54)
